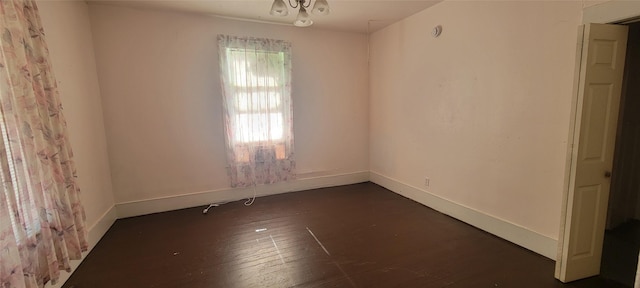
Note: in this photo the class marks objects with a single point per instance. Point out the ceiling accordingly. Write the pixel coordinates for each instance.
(346, 15)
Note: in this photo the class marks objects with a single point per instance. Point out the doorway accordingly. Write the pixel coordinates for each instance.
(581, 235)
(622, 234)
(573, 245)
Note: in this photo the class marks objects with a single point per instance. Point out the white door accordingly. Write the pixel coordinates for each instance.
(599, 89)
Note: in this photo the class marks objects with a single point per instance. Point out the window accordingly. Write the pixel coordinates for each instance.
(256, 82)
(257, 79)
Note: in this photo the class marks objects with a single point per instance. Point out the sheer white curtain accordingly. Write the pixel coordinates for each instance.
(42, 221)
(256, 90)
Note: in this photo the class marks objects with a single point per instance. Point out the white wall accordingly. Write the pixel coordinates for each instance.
(68, 35)
(589, 3)
(483, 110)
(161, 96)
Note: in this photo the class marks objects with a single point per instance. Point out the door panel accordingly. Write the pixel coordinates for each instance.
(587, 201)
(599, 90)
(596, 122)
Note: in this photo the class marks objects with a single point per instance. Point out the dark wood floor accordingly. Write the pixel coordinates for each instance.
(620, 252)
(350, 236)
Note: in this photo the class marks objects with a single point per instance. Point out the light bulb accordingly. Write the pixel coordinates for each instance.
(303, 19)
(321, 7)
(279, 8)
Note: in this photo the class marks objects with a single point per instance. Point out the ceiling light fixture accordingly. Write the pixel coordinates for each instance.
(279, 8)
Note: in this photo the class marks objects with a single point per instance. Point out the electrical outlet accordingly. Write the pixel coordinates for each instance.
(426, 182)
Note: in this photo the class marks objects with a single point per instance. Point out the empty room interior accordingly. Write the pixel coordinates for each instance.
(384, 144)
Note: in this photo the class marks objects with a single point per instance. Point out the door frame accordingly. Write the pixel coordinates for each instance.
(612, 12)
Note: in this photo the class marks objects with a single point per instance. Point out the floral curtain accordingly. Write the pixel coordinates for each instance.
(41, 217)
(256, 86)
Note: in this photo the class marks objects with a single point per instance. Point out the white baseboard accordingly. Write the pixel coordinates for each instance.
(148, 206)
(95, 233)
(101, 226)
(519, 235)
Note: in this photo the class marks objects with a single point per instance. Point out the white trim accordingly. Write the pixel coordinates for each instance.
(102, 226)
(95, 233)
(611, 12)
(148, 206)
(571, 139)
(509, 231)
(514, 233)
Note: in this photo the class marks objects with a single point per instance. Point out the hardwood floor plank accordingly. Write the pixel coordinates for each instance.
(349, 236)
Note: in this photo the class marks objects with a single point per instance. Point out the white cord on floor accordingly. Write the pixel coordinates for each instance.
(206, 210)
(255, 192)
(250, 200)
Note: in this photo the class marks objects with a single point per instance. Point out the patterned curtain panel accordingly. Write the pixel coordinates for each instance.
(41, 218)
(256, 86)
